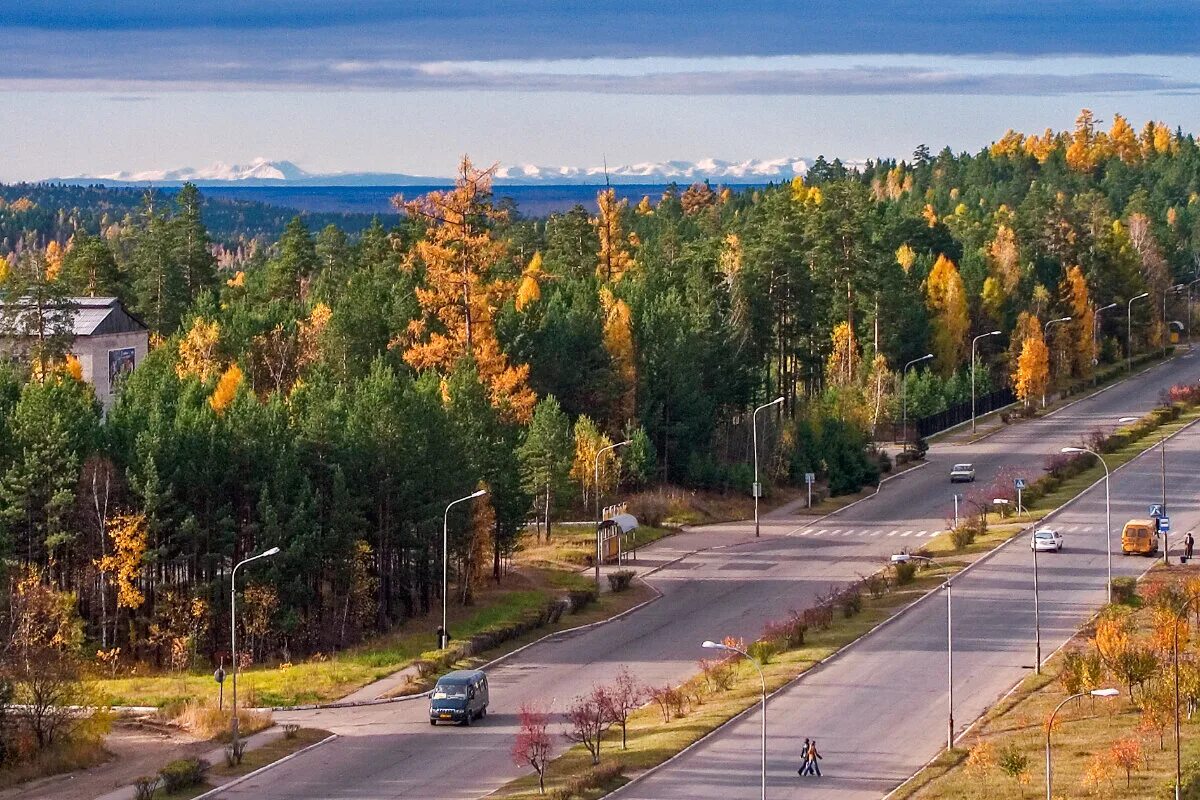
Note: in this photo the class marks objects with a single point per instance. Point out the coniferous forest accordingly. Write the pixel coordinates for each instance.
(330, 391)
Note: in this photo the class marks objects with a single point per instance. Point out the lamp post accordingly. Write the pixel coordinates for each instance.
(233, 722)
(1046, 335)
(711, 645)
(904, 391)
(599, 453)
(1129, 331)
(1050, 727)
(1179, 287)
(1189, 290)
(445, 634)
(973, 342)
(1096, 339)
(754, 426)
(1107, 509)
(904, 558)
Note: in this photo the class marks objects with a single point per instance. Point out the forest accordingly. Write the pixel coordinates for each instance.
(329, 391)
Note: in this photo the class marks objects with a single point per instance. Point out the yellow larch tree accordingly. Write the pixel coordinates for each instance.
(1010, 144)
(73, 367)
(615, 259)
(618, 343)
(1033, 367)
(1078, 332)
(589, 441)
(1124, 140)
(460, 295)
(1004, 259)
(905, 257)
(530, 291)
(947, 300)
(1083, 151)
(226, 389)
(54, 260)
(644, 208)
(802, 194)
(198, 351)
(841, 368)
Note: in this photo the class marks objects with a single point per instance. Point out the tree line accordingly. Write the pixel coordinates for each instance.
(329, 393)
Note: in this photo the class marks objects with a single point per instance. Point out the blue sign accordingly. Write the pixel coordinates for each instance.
(1019, 483)
(1164, 524)
(1157, 510)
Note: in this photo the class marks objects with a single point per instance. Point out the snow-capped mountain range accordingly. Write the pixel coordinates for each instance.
(264, 172)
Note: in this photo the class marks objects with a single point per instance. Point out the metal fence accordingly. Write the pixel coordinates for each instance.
(926, 426)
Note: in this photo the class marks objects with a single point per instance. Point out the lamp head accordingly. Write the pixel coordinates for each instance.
(1140, 296)
(479, 493)
(1072, 450)
(1104, 692)
(709, 644)
(268, 553)
(1110, 305)
(777, 400)
(1128, 419)
(901, 558)
(995, 333)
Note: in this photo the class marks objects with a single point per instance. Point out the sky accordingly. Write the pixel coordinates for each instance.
(94, 86)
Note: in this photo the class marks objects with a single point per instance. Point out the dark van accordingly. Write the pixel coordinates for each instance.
(459, 696)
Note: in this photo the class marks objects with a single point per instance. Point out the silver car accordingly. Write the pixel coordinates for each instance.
(964, 473)
(1046, 539)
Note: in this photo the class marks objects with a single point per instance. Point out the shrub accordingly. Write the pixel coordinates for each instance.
(650, 509)
(851, 600)
(876, 584)
(664, 697)
(885, 462)
(602, 776)
(763, 651)
(581, 599)
(1124, 590)
(963, 536)
(819, 617)
(234, 752)
(620, 580)
(788, 633)
(290, 730)
(905, 572)
(145, 787)
(182, 773)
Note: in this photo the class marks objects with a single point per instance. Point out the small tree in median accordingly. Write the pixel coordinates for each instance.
(532, 746)
(1127, 754)
(589, 717)
(625, 695)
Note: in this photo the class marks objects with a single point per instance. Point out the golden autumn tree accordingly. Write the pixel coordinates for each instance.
(644, 207)
(226, 389)
(906, 257)
(460, 294)
(615, 259)
(1124, 141)
(198, 350)
(589, 441)
(618, 343)
(841, 367)
(54, 260)
(1078, 332)
(947, 301)
(73, 367)
(130, 538)
(1033, 367)
(530, 291)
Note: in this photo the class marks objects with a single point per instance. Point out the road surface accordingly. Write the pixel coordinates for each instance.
(733, 587)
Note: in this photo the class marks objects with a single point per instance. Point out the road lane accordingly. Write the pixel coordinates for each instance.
(732, 588)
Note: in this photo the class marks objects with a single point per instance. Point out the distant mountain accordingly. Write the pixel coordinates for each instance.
(263, 172)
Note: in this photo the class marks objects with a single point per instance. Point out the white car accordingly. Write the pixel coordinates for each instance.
(963, 472)
(1046, 539)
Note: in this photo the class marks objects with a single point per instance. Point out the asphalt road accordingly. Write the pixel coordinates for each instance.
(880, 711)
(733, 587)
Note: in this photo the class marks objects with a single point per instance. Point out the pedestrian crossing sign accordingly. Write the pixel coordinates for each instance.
(1157, 510)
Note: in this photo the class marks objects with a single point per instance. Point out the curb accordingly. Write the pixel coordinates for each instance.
(225, 786)
(898, 615)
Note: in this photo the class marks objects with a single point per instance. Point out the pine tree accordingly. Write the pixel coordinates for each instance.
(545, 457)
(193, 250)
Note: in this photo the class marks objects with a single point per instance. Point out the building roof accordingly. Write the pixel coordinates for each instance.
(95, 316)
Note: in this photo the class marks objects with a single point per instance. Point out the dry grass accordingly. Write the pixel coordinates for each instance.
(69, 756)
(204, 720)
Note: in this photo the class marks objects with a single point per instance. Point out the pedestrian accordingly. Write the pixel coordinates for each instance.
(803, 757)
(813, 756)
(1188, 544)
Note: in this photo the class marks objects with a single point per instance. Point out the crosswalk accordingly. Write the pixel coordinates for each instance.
(885, 531)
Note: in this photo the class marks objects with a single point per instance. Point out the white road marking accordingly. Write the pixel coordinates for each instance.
(906, 533)
(893, 533)
(823, 530)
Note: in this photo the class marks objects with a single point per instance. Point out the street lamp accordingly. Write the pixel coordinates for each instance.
(599, 453)
(444, 636)
(233, 723)
(711, 645)
(1179, 287)
(904, 558)
(1046, 335)
(1107, 509)
(1189, 288)
(754, 426)
(1096, 340)
(1050, 727)
(904, 391)
(1129, 331)
(973, 341)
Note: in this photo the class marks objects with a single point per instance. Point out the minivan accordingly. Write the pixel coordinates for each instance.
(1139, 536)
(459, 696)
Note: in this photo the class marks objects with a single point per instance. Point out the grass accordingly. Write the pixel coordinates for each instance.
(572, 547)
(652, 741)
(68, 756)
(205, 721)
(1084, 731)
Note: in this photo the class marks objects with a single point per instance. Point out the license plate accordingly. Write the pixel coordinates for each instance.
(445, 716)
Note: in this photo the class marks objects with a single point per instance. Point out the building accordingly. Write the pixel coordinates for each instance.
(109, 343)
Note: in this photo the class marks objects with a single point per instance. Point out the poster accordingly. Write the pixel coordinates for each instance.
(120, 364)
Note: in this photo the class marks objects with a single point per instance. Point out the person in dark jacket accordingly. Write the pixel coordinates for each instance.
(803, 757)
(813, 756)
(1188, 544)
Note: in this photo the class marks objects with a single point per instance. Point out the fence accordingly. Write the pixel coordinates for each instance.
(927, 426)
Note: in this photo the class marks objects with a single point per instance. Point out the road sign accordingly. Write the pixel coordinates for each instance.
(1164, 524)
(757, 489)
(810, 478)
(1019, 483)
(1157, 510)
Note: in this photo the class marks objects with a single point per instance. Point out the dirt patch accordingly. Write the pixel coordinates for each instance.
(136, 748)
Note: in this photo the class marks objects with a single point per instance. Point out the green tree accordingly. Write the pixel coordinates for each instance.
(193, 250)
